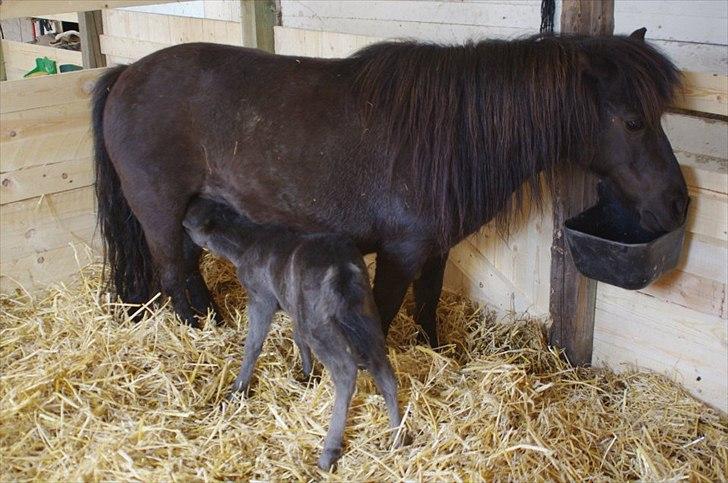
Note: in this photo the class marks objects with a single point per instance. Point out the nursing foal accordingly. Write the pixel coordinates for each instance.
(321, 281)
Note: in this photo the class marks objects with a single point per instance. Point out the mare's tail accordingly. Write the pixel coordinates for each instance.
(126, 254)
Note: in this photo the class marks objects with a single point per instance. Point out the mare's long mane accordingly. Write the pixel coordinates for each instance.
(471, 124)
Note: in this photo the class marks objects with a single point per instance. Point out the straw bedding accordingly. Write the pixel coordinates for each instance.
(88, 395)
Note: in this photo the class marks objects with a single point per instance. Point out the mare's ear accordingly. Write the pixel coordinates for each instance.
(639, 34)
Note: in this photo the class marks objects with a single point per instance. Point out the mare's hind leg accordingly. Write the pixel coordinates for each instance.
(195, 286)
(165, 236)
(427, 289)
(261, 309)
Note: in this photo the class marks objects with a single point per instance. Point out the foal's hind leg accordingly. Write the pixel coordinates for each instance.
(383, 375)
(305, 351)
(332, 350)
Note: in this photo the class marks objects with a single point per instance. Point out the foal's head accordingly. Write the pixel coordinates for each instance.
(208, 223)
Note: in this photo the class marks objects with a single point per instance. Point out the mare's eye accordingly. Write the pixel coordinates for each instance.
(634, 125)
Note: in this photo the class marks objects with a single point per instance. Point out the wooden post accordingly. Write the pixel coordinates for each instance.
(257, 18)
(3, 75)
(573, 297)
(90, 26)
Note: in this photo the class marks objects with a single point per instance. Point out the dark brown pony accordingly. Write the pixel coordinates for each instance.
(405, 147)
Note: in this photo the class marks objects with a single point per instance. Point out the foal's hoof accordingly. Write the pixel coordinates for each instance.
(239, 390)
(309, 380)
(329, 458)
(400, 440)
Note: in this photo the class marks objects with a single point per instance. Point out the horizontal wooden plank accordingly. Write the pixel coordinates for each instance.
(697, 135)
(128, 48)
(524, 15)
(691, 291)
(704, 172)
(45, 223)
(311, 43)
(33, 273)
(50, 178)
(54, 90)
(34, 8)
(698, 21)
(429, 31)
(705, 93)
(169, 29)
(637, 329)
(709, 58)
(20, 56)
(41, 136)
(705, 257)
(708, 213)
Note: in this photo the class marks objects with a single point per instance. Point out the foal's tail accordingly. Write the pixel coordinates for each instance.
(126, 254)
(347, 293)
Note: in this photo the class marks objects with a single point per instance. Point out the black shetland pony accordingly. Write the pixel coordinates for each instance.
(405, 147)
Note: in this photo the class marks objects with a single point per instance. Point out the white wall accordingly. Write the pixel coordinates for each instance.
(431, 20)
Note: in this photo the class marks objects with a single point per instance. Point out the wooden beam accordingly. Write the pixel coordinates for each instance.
(704, 92)
(573, 296)
(90, 26)
(3, 74)
(20, 57)
(257, 19)
(55, 90)
(40, 8)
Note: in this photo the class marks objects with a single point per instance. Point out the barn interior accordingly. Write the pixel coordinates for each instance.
(544, 373)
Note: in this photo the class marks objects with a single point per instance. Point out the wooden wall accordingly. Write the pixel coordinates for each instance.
(19, 57)
(130, 35)
(46, 171)
(46, 192)
(508, 273)
(678, 324)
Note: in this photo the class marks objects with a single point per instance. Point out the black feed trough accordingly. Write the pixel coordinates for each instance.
(608, 245)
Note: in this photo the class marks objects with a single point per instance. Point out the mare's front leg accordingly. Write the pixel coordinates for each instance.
(427, 288)
(396, 268)
(261, 308)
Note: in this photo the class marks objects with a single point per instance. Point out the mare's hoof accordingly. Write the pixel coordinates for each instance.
(430, 340)
(329, 458)
(218, 318)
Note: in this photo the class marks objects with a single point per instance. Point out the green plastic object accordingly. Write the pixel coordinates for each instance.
(43, 66)
(69, 68)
